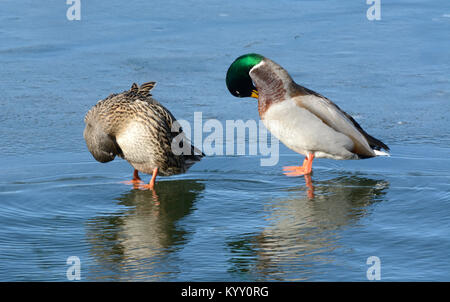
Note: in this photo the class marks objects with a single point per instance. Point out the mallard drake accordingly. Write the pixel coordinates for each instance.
(305, 121)
(135, 127)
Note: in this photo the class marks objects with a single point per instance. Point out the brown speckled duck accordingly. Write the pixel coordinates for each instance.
(135, 127)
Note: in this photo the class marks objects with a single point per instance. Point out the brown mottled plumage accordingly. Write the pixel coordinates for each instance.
(137, 128)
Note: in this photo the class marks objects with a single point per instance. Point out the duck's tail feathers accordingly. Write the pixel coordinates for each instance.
(134, 88)
(195, 156)
(380, 153)
(146, 87)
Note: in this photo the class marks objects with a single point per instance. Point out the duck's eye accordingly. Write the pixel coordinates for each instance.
(237, 92)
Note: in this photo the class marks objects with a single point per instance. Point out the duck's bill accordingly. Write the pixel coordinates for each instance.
(254, 94)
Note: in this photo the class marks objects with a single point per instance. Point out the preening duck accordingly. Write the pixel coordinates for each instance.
(135, 127)
(305, 121)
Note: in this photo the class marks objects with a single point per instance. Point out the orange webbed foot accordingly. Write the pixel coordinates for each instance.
(151, 184)
(132, 182)
(135, 181)
(305, 169)
(294, 170)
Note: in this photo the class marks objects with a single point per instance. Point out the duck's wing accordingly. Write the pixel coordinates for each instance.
(338, 120)
(374, 143)
(177, 131)
(163, 122)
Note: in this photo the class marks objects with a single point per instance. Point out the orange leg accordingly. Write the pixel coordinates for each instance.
(136, 179)
(151, 184)
(309, 186)
(305, 169)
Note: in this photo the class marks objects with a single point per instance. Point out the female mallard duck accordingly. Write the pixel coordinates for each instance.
(305, 121)
(137, 128)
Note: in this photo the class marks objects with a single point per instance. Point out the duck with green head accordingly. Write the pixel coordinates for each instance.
(305, 121)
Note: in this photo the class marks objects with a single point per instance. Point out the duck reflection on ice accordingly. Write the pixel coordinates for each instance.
(302, 232)
(132, 240)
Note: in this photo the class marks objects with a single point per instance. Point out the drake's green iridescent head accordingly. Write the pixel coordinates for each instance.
(238, 78)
